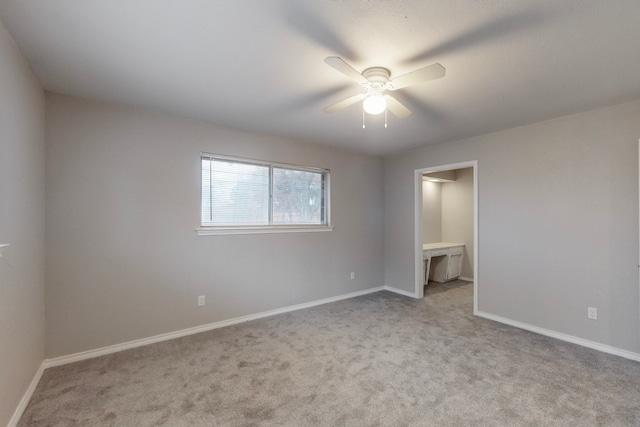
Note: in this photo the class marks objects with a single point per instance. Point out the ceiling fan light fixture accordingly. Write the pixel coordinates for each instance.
(374, 103)
(378, 80)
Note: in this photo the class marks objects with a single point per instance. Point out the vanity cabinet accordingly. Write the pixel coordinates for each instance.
(442, 261)
(454, 266)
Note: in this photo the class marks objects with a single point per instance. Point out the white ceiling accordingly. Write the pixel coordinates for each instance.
(258, 64)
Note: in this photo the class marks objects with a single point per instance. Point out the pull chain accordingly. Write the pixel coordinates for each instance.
(363, 118)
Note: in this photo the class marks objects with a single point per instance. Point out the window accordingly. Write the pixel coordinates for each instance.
(242, 194)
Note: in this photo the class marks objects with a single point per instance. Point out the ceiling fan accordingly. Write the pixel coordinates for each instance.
(377, 80)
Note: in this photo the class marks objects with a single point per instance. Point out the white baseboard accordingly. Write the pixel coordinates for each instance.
(466, 279)
(63, 360)
(400, 291)
(564, 337)
(27, 397)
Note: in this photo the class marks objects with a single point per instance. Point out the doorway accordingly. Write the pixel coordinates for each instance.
(443, 173)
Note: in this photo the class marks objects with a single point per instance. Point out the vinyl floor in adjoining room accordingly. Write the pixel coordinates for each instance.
(376, 360)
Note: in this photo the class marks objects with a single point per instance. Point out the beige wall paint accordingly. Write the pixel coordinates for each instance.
(558, 222)
(431, 212)
(457, 215)
(124, 261)
(21, 225)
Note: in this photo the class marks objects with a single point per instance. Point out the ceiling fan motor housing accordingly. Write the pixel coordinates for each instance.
(377, 76)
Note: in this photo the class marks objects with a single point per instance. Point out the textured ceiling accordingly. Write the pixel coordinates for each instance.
(258, 65)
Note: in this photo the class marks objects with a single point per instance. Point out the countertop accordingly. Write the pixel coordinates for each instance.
(441, 245)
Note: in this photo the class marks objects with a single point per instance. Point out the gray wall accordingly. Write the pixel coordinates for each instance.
(457, 215)
(431, 212)
(123, 259)
(558, 222)
(21, 225)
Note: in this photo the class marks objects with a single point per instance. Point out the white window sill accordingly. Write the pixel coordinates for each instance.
(217, 231)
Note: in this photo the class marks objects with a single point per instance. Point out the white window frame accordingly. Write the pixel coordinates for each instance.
(212, 230)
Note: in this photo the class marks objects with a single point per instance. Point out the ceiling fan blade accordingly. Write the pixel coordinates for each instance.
(346, 69)
(396, 107)
(421, 75)
(345, 103)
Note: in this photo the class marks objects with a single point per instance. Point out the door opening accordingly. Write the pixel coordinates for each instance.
(446, 242)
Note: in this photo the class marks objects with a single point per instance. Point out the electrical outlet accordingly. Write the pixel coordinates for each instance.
(353, 275)
(200, 300)
(592, 313)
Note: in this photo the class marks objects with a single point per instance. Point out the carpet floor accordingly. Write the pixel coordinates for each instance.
(376, 360)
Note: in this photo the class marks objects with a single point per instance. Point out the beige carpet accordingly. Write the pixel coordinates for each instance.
(376, 360)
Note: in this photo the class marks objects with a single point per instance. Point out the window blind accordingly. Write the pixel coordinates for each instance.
(239, 192)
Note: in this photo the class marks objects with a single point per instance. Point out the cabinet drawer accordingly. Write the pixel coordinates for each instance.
(458, 250)
(439, 252)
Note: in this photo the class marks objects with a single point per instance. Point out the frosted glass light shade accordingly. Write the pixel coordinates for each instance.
(374, 104)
